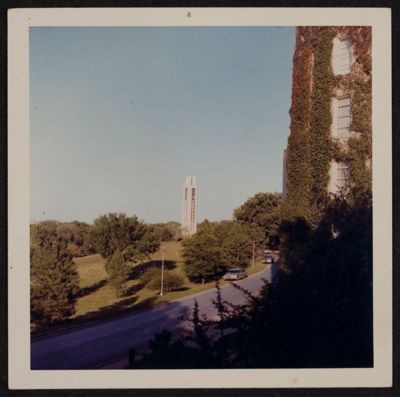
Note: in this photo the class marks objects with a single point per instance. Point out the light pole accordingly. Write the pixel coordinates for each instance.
(254, 253)
(162, 274)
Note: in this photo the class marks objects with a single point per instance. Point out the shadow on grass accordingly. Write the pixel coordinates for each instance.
(90, 289)
(132, 290)
(181, 289)
(106, 313)
(138, 270)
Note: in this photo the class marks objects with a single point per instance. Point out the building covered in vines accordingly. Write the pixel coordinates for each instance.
(330, 142)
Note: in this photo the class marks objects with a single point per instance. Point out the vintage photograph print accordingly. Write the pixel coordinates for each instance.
(201, 197)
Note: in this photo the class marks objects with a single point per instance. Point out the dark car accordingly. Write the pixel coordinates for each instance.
(235, 274)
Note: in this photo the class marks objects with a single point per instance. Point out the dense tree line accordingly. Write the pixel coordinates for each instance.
(73, 234)
(319, 314)
(219, 246)
(170, 231)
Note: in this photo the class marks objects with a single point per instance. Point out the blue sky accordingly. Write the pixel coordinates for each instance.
(120, 117)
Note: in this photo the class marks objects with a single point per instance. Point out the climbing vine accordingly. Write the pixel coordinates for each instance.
(360, 147)
(321, 118)
(298, 151)
(310, 145)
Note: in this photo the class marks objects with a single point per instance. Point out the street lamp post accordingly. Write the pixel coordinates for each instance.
(254, 253)
(162, 274)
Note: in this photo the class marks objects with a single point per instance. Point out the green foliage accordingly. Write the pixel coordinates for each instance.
(360, 148)
(113, 233)
(360, 171)
(118, 270)
(172, 281)
(262, 210)
(168, 231)
(54, 277)
(121, 239)
(319, 317)
(362, 37)
(75, 234)
(203, 256)
(321, 119)
(295, 239)
(299, 178)
(218, 246)
(151, 274)
(163, 233)
(236, 241)
(310, 147)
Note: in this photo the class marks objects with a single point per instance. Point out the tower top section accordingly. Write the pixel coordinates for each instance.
(190, 181)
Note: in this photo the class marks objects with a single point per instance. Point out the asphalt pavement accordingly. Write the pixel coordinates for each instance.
(106, 344)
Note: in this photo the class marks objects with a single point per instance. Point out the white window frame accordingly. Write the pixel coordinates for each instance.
(342, 182)
(342, 61)
(337, 182)
(336, 128)
(340, 128)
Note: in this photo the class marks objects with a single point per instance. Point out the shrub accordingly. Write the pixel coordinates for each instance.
(152, 279)
(150, 275)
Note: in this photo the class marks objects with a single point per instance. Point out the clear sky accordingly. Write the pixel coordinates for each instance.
(120, 117)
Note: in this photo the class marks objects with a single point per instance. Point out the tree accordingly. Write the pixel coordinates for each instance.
(236, 241)
(168, 231)
(120, 240)
(111, 233)
(54, 276)
(152, 279)
(118, 270)
(75, 234)
(319, 315)
(262, 210)
(162, 231)
(218, 246)
(203, 256)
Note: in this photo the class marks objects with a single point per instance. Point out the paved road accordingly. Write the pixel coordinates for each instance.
(95, 346)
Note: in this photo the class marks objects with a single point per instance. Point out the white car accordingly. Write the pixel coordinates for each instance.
(235, 274)
(268, 259)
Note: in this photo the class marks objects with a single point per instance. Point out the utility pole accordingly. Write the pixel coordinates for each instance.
(254, 253)
(162, 274)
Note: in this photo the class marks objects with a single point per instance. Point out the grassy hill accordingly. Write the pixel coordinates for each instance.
(97, 300)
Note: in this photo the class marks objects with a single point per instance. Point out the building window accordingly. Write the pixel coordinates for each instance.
(343, 175)
(339, 176)
(341, 118)
(344, 117)
(342, 58)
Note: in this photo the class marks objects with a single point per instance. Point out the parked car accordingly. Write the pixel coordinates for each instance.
(235, 274)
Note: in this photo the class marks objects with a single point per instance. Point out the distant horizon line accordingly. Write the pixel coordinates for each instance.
(35, 221)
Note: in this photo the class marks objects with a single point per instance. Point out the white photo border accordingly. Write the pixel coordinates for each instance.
(20, 374)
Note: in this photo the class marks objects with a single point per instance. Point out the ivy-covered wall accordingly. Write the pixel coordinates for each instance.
(310, 145)
(298, 151)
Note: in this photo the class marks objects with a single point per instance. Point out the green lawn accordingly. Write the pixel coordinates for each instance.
(98, 299)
